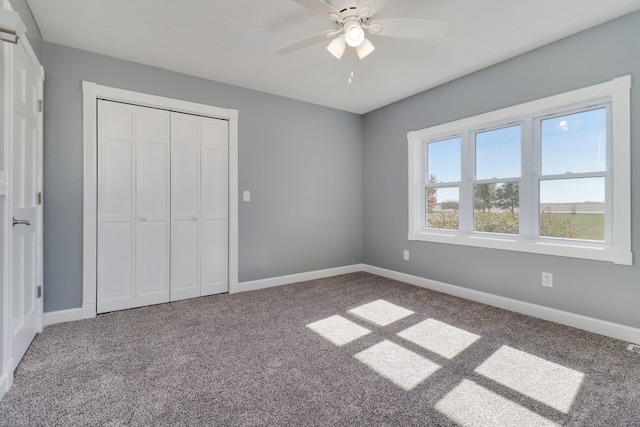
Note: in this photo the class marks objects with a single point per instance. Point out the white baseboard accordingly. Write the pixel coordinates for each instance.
(89, 310)
(294, 278)
(6, 380)
(602, 327)
(4, 384)
(61, 316)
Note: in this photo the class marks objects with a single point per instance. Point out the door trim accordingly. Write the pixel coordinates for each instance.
(91, 93)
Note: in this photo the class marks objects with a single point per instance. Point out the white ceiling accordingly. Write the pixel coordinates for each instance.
(233, 41)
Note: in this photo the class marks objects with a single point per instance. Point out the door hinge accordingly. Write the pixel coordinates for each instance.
(39, 198)
(40, 105)
(39, 291)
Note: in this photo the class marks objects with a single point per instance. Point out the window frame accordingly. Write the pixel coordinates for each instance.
(617, 245)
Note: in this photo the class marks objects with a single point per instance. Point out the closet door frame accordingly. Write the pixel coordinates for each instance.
(91, 93)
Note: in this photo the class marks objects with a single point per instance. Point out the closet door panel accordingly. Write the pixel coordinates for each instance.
(153, 200)
(185, 206)
(116, 192)
(214, 213)
(152, 266)
(185, 182)
(214, 173)
(116, 267)
(184, 260)
(116, 207)
(153, 180)
(214, 257)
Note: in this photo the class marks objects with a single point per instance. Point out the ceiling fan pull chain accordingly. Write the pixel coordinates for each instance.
(351, 75)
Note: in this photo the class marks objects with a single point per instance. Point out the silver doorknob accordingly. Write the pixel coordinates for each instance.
(20, 222)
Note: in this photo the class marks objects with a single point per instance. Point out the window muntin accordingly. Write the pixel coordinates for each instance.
(611, 98)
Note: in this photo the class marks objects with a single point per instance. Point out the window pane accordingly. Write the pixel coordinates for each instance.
(497, 207)
(572, 208)
(498, 153)
(442, 207)
(574, 143)
(444, 162)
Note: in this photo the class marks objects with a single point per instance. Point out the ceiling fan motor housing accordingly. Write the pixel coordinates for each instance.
(354, 34)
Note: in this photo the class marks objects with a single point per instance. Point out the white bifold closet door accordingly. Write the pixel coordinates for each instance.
(162, 206)
(198, 206)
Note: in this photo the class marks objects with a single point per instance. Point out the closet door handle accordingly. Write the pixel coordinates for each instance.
(20, 221)
(194, 217)
(143, 218)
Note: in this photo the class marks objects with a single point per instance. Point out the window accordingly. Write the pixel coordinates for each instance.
(442, 183)
(550, 176)
(573, 175)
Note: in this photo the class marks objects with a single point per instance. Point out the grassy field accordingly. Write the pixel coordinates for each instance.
(591, 225)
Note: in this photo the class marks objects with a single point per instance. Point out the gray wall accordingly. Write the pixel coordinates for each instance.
(595, 289)
(301, 162)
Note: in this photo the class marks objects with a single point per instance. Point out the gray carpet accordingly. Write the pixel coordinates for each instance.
(296, 355)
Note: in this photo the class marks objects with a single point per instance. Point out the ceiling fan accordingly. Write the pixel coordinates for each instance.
(353, 17)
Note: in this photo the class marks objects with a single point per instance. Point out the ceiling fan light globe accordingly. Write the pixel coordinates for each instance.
(353, 34)
(337, 47)
(365, 49)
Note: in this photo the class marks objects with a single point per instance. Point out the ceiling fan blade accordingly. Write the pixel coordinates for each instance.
(317, 6)
(373, 5)
(409, 28)
(301, 44)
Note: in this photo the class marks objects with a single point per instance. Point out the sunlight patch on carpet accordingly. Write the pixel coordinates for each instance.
(439, 337)
(381, 312)
(470, 404)
(338, 330)
(541, 380)
(402, 367)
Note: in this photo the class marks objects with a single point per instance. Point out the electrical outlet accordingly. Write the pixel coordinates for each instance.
(405, 255)
(547, 280)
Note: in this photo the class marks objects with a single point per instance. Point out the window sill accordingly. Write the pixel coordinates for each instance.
(564, 248)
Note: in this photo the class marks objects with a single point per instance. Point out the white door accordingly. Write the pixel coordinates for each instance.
(133, 206)
(152, 207)
(24, 208)
(162, 206)
(185, 206)
(214, 206)
(199, 206)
